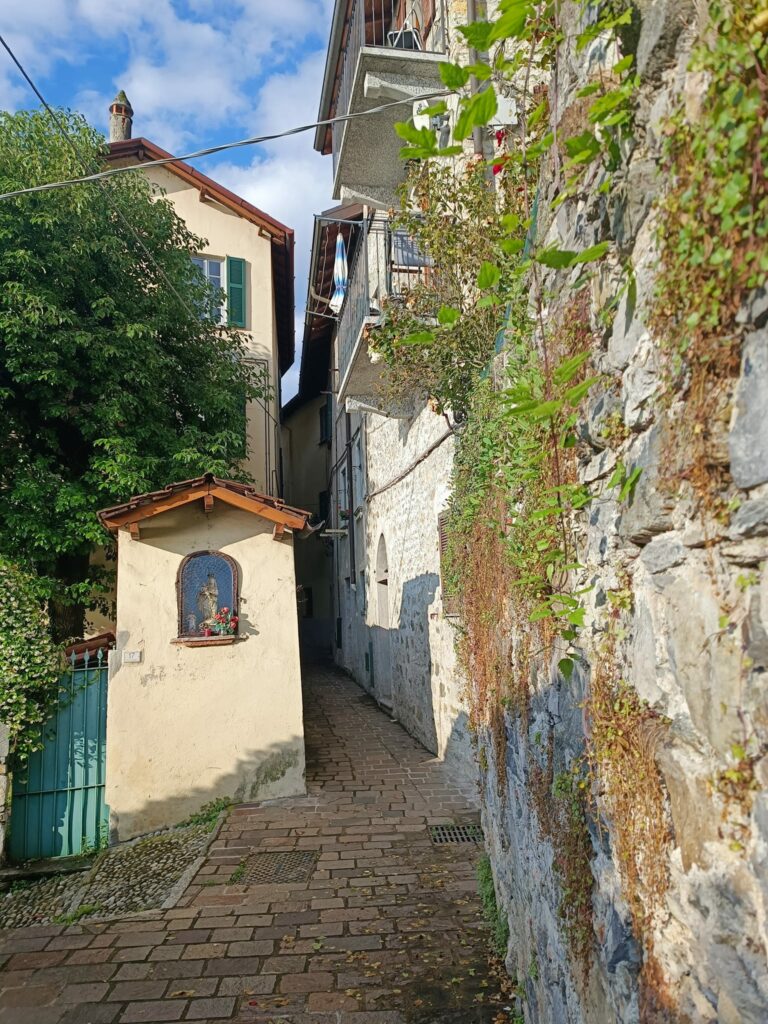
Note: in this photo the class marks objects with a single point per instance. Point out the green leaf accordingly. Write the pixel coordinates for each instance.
(623, 65)
(481, 71)
(629, 483)
(447, 315)
(594, 252)
(477, 110)
(418, 338)
(566, 666)
(537, 114)
(618, 476)
(511, 246)
(488, 276)
(540, 411)
(434, 109)
(575, 394)
(582, 148)
(513, 21)
(478, 34)
(453, 75)
(576, 617)
(417, 153)
(556, 258)
(568, 368)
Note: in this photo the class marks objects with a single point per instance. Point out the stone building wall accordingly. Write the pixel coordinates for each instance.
(396, 640)
(428, 692)
(679, 568)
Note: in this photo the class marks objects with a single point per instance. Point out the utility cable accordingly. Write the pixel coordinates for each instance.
(114, 205)
(54, 116)
(210, 150)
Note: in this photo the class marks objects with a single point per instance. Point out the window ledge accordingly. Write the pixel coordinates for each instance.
(205, 641)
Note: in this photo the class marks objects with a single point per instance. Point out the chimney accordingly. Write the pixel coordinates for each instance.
(120, 118)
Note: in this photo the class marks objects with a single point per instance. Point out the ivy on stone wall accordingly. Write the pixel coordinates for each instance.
(515, 519)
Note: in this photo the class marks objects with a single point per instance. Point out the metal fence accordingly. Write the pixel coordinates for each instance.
(415, 25)
(386, 264)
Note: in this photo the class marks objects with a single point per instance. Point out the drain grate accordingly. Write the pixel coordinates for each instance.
(441, 835)
(296, 866)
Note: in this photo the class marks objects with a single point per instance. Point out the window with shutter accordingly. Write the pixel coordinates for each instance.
(235, 292)
(450, 601)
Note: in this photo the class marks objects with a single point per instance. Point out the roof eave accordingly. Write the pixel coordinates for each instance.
(329, 75)
(282, 236)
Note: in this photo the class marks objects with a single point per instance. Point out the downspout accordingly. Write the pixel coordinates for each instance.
(477, 131)
(350, 500)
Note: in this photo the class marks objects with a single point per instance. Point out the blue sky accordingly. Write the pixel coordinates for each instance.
(197, 72)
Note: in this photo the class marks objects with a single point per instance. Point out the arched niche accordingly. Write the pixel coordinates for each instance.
(206, 582)
(382, 584)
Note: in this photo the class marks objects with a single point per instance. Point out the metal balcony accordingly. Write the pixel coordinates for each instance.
(391, 50)
(385, 266)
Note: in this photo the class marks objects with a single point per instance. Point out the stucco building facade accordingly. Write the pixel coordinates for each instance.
(194, 715)
(250, 256)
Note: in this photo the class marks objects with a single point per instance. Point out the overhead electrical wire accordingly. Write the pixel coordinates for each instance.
(62, 128)
(208, 151)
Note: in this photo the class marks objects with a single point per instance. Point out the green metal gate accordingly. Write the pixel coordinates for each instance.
(57, 806)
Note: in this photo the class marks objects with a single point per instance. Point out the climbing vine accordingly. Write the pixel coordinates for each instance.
(714, 226)
(30, 662)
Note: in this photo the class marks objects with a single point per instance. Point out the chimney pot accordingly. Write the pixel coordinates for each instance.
(120, 118)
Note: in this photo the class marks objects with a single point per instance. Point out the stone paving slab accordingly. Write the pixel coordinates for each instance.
(387, 929)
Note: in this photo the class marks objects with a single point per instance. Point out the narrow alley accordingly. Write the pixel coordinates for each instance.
(368, 921)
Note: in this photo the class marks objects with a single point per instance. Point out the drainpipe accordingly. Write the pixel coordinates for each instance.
(477, 131)
(350, 500)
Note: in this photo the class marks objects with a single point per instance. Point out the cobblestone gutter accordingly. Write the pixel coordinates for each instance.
(143, 874)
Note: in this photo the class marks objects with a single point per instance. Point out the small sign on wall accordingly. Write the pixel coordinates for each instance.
(131, 657)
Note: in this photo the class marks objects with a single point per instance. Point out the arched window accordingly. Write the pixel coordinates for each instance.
(206, 584)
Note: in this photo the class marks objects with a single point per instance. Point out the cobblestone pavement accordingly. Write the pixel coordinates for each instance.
(133, 876)
(385, 930)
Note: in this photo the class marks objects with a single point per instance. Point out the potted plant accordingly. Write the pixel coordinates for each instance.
(225, 622)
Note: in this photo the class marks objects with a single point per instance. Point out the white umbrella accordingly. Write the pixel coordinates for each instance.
(340, 275)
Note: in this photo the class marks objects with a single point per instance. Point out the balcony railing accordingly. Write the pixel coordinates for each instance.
(386, 265)
(395, 25)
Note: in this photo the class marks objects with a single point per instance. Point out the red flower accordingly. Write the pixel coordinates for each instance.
(500, 136)
(224, 611)
(497, 168)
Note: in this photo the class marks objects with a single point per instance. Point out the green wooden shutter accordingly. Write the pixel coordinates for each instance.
(235, 292)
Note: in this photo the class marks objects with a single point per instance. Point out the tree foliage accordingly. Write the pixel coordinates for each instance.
(115, 377)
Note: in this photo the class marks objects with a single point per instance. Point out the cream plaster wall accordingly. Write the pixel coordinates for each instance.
(187, 725)
(228, 234)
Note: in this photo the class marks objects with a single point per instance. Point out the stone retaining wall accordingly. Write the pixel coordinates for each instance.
(707, 676)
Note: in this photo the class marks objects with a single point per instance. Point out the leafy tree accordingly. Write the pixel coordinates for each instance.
(115, 377)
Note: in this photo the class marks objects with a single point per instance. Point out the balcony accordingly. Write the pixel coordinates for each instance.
(385, 266)
(390, 50)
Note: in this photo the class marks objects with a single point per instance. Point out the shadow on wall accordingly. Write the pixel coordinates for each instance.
(406, 674)
(412, 660)
(263, 774)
